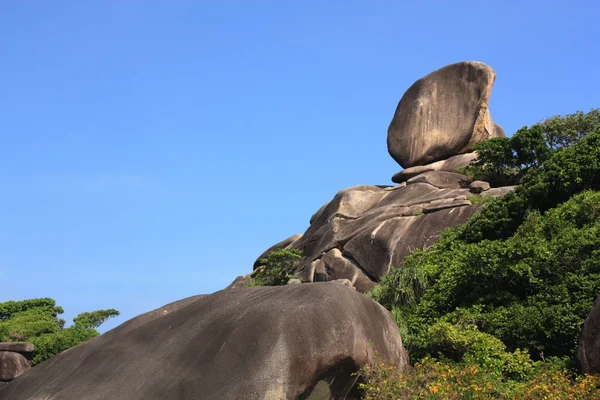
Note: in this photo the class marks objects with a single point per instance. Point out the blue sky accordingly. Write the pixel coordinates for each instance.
(151, 150)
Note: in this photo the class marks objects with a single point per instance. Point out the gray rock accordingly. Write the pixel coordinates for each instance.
(588, 349)
(24, 348)
(449, 165)
(499, 191)
(443, 201)
(322, 391)
(379, 250)
(220, 347)
(339, 267)
(306, 273)
(499, 130)
(294, 281)
(345, 282)
(12, 365)
(443, 114)
(331, 231)
(349, 204)
(361, 242)
(441, 179)
(431, 208)
(320, 271)
(240, 281)
(479, 186)
(284, 244)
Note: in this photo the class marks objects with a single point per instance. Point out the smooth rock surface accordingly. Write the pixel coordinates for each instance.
(588, 349)
(12, 365)
(240, 281)
(219, 347)
(479, 186)
(499, 191)
(24, 348)
(450, 165)
(339, 267)
(345, 282)
(441, 179)
(379, 250)
(443, 114)
(431, 208)
(361, 241)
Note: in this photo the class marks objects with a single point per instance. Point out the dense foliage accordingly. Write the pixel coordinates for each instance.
(508, 292)
(504, 161)
(275, 269)
(36, 321)
(433, 379)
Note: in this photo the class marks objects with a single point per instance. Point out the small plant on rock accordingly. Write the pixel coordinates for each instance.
(275, 269)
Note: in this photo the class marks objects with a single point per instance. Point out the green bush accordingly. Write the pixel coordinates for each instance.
(504, 161)
(431, 378)
(47, 305)
(568, 171)
(275, 269)
(525, 269)
(532, 290)
(37, 321)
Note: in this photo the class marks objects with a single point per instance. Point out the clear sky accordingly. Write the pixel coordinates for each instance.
(152, 149)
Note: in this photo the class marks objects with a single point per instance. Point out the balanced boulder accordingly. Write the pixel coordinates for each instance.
(247, 343)
(443, 114)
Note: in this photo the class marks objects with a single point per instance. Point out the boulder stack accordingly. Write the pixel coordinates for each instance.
(588, 350)
(14, 360)
(367, 230)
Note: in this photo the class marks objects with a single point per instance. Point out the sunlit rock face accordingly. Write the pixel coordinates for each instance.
(236, 344)
(443, 114)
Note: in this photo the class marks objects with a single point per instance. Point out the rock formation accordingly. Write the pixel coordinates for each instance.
(14, 360)
(443, 114)
(301, 340)
(284, 244)
(248, 343)
(588, 350)
(449, 165)
(366, 230)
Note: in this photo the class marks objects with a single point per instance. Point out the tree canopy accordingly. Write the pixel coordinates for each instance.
(36, 321)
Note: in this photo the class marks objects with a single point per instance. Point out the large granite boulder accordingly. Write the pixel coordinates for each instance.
(367, 230)
(443, 114)
(247, 343)
(24, 348)
(451, 164)
(588, 350)
(12, 365)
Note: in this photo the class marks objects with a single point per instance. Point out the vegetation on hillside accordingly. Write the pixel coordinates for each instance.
(36, 321)
(275, 269)
(508, 292)
(443, 380)
(504, 161)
